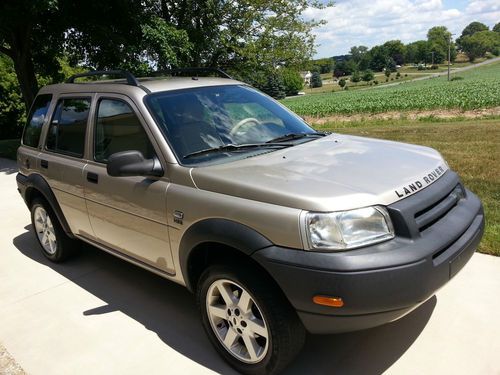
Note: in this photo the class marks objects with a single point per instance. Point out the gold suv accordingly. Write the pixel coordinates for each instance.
(276, 227)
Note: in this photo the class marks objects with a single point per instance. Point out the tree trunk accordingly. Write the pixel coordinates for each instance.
(25, 71)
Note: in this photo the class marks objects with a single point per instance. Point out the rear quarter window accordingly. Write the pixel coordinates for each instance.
(36, 119)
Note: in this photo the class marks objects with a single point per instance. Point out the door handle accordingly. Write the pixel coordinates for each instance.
(92, 177)
(44, 163)
(27, 163)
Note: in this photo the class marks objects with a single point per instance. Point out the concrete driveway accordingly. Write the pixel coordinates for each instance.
(99, 315)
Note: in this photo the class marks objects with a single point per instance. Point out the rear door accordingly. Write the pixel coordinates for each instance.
(62, 159)
(128, 214)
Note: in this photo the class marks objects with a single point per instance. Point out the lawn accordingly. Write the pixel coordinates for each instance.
(8, 148)
(478, 88)
(472, 148)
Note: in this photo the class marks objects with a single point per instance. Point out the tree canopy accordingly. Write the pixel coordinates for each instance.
(243, 37)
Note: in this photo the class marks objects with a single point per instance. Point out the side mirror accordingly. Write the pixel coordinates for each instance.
(133, 163)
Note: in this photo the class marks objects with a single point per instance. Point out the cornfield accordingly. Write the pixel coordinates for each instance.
(479, 88)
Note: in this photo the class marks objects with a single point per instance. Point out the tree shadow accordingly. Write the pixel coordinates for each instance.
(8, 166)
(170, 311)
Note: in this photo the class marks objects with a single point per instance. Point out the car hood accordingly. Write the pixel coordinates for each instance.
(337, 172)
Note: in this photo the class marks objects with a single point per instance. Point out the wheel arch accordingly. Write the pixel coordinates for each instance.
(214, 240)
(37, 186)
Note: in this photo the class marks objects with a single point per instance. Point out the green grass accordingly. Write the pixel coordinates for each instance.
(471, 147)
(479, 88)
(8, 148)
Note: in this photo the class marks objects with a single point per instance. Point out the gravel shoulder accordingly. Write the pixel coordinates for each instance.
(8, 366)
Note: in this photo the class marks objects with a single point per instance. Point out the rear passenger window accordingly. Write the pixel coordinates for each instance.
(118, 129)
(67, 128)
(36, 119)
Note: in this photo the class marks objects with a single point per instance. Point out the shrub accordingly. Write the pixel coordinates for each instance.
(398, 75)
(421, 67)
(367, 75)
(316, 80)
(342, 82)
(387, 73)
(356, 77)
(292, 81)
(456, 78)
(406, 74)
(387, 79)
(434, 67)
(375, 82)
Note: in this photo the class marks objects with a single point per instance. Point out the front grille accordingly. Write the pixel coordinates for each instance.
(433, 213)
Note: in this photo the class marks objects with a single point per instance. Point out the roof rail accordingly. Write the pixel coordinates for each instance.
(131, 80)
(195, 71)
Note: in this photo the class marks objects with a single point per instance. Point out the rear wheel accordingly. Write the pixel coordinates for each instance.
(55, 244)
(249, 321)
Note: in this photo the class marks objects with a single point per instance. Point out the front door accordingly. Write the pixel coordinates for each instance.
(127, 214)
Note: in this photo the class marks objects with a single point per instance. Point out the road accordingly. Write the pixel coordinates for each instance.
(99, 315)
(440, 74)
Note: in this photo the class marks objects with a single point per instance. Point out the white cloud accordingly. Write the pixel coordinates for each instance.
(359, 22)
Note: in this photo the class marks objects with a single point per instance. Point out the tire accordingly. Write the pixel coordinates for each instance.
(256, 305)
(55, 244)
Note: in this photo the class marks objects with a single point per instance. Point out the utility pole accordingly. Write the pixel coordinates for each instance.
(449, 55)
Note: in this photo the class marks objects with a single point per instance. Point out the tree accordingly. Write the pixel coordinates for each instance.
(496, 28)
(316, 80)
(322, 65)
(292, 81)
(274, 86)
(378, 58)
(244, 36)
(479, 43)
(343, 68)
(357, 53)
(396, 50)
(11, 103)
(439, 39)
(418, 52)
(367, 76)
(470, 30)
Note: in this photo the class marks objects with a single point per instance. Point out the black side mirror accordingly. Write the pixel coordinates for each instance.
(133, 163)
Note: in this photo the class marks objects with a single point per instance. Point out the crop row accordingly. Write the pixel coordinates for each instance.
(477, 90)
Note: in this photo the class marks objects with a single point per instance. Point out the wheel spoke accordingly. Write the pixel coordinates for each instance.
(44, 239)
(257, 326)
(245, 302)
(217, 311)
(231, 337)
(252, 347)
(226, 293)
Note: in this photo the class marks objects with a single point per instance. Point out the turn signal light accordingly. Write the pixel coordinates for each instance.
(328, 301)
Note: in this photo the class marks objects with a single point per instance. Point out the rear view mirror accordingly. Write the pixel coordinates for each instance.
(133, 163)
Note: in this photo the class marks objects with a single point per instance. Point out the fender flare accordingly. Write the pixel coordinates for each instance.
(222, 231)
(34, 181)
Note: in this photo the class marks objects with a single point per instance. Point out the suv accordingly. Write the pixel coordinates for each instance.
(275, 227)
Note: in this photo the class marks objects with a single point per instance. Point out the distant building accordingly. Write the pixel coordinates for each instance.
(306, 76)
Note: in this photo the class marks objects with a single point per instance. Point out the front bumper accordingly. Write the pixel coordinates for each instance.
(379, 283)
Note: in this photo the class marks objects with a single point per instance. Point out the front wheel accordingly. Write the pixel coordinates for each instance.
(249, 321)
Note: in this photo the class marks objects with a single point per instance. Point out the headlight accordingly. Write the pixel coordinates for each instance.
(348, 229)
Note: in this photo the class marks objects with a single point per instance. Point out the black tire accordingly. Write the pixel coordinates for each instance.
(287, 334)
(65, 246)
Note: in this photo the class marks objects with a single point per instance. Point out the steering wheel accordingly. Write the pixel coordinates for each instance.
(247, 121)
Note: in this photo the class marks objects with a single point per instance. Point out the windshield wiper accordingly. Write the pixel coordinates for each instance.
(233, 147)
(293, 136)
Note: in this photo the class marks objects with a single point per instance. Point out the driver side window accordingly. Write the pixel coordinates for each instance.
(118, 129)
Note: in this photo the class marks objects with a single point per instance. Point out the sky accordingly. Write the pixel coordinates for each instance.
(357, 22)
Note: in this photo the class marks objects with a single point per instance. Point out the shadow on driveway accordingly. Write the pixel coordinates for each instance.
(170, 311)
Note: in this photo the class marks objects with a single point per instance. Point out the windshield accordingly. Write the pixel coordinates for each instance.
(213, 118)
